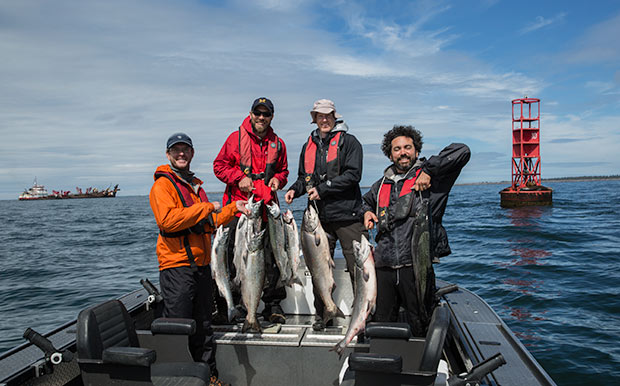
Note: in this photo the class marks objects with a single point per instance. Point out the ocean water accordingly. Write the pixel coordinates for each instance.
(551, 273)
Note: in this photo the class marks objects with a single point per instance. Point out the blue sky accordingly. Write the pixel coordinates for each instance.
(91, 90)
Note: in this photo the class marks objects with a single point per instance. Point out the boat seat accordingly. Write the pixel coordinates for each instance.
(109, 352)
(395, 358)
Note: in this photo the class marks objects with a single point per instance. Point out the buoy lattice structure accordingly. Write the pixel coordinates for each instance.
(526, 188)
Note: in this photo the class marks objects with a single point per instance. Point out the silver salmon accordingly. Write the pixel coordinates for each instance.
(246, 227)
(241, 249)
(277, 238)
(293, 249)
(252, 276)
(219, 268)
(319, 261)
(365, 292)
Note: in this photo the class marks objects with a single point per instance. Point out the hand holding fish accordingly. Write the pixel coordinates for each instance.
(274, 184)
(246, 184)
(422, 182)
(313, 194)
(217, 207)
(289, 196)
(370, 219)
(240, 204)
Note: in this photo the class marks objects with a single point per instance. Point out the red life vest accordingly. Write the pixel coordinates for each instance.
(245, 157)
(400, 209)
(187, 200)
(333, 164)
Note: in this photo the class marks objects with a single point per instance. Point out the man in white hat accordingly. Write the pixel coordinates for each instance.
(330, 170)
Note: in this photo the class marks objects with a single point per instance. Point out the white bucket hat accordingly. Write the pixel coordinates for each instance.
(323, 106)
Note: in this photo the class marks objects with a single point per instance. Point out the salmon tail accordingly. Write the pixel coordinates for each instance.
(251, 326)
(296, 280)
(233, 313)
(339, 348)
(339, 313)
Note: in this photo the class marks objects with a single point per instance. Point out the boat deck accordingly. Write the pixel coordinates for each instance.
(483, 334)
(281, 353)
(295, 354)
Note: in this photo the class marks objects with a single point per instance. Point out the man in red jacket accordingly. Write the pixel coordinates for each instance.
(253, 161)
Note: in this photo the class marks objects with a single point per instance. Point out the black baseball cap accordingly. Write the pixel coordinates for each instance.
(179, 138)
(262, 101)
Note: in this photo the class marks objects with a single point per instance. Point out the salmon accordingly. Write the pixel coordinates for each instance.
(293, 249)
(219, 268)
(319, 261)
(252, 280)
(365, 292)
(277, 238)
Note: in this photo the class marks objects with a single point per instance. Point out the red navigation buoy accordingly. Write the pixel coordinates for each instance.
(526, 188)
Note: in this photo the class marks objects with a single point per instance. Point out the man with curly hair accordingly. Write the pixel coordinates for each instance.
(407, 201)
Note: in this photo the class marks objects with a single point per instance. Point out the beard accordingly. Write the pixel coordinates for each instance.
(402, 168)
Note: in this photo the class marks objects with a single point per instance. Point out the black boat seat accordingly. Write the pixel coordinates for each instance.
(168, 337)
(394, 358)
(109, 352)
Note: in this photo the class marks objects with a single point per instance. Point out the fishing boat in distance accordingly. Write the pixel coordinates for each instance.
(38, 192)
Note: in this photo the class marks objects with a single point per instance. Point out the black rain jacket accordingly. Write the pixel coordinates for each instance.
(394, 248)
(341, 197)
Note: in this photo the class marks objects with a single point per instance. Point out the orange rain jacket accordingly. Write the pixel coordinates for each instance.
(171, 216)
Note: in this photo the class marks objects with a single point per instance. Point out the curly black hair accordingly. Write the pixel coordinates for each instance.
(401, 131)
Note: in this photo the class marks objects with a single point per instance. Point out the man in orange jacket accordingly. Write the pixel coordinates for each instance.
(186, 220)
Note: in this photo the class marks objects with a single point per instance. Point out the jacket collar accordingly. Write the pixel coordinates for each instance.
(341, 126)
(167, 169)
(247, 126)
(390, 172)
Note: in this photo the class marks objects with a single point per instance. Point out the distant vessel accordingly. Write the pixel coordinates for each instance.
(38, 192)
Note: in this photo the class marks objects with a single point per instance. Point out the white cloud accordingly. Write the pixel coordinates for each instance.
(603, 87)
(91, 90)
(541, 22)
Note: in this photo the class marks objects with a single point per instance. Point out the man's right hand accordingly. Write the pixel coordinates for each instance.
(370, 219)
(246, 185)
(289, 196)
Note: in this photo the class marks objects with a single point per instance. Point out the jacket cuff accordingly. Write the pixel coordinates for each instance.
(426, 170)
(367, 208)
(238, 177)
(210, 207)
(233, 205)
(323, 189)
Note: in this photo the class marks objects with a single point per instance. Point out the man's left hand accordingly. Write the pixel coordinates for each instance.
(313, 194)
(423, 182)
(274, 184)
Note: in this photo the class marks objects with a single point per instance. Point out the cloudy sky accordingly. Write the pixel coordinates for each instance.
(90, 90)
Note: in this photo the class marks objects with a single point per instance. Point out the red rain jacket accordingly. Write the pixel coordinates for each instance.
(226, 165)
